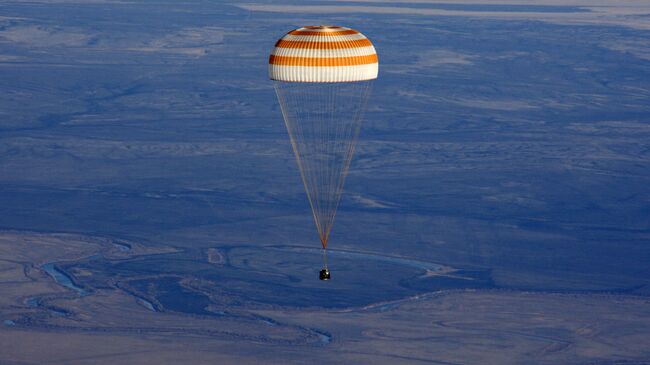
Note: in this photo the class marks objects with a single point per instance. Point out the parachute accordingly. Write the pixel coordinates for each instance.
(323, 77)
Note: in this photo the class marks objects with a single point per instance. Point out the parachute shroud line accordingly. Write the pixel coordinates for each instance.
(323, 121)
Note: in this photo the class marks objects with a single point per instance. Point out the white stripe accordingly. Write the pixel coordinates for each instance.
(324, 53)
(317, 38)
(323, 74)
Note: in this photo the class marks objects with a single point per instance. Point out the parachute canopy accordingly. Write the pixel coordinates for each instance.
(323, 77)
(323, 54)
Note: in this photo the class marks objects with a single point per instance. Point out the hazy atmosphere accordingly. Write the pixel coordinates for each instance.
(496, 210)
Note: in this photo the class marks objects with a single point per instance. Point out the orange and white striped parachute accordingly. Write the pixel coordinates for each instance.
(323, 54)
(323, 76)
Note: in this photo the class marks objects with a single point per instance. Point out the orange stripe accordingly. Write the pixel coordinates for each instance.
(324, 45)
(325, 62)
(324, 34)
